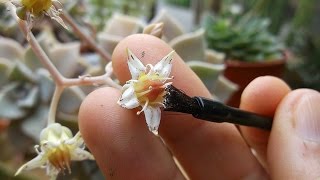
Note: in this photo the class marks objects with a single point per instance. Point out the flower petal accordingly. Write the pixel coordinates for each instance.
(34, 163)
(135, 65)
(152, 115)
(79, 154)
(54, 14)
(52, 172)
(128, 98)
(164, 66)
(76, 141)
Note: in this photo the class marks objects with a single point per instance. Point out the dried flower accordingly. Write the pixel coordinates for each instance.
(30, 9)
(57, 148)
(147, 88)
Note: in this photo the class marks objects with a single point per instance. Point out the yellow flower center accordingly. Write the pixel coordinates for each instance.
(60, 157)
(149, 88)
(36, 7)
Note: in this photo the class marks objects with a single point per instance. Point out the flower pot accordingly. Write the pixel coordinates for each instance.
(242, 73)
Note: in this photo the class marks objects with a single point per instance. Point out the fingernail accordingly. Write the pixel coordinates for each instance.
(308, 117)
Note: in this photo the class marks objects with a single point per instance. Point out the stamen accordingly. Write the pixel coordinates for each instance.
(36, 148)
(166, 84)
(144, 107)
(143, 93)
(132, 80)
(150, 71)
(159, 103)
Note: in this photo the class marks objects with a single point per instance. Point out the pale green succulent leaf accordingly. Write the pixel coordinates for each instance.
(172, 28)
(207, 72)
(10, 49)
(70, 100)
(8, 103)
(5, 66)
(21, 72)
(31, 60)
(65, 57)
(36, 122)
(46, 86)
(30, 99)
(190, 46)
(224, 88)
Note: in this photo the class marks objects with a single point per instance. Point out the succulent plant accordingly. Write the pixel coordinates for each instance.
(26, 88)
(244, 39)
(183, 3)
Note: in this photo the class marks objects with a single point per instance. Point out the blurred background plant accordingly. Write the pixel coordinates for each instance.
(204, 33)
(297, 26)
(244, 39)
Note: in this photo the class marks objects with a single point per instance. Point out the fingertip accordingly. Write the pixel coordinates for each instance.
(263, 95)
(292, 155)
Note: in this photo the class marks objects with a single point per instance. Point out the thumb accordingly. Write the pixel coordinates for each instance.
(294, 144)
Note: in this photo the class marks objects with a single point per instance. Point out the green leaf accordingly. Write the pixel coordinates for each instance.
(21, 72)
(207, 72)
(10, 49)
(5, 66)
(8, 103)
(172, 28)
(31, 60)
(65, 57)
(224, 88)
(190, 46)
(46, 86)
(70, 100)
(36, 122)
(31, 98)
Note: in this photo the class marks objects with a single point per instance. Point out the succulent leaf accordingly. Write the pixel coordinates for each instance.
(70, 100)
(246, 39)
(207, 72)
(9, 108)
(36, 122)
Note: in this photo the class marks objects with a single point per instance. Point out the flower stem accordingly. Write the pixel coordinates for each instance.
(83, 36)
(54, 103)
(59, 79)
(95, 80)
(44, 59)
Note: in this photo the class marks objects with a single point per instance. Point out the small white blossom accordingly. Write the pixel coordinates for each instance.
(147, 88)
(57, 148)
(29, 10)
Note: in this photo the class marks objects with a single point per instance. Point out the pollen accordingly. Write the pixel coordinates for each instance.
(149, 88)
(60, 157)
(36, 7)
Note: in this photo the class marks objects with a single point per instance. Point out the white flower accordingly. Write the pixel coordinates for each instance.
(147, 88)
(30, 9)
(57, 149)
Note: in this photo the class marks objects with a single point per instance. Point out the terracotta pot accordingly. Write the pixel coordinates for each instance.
(242, 73)
(4, 124)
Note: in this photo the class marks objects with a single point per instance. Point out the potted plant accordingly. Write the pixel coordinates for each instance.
(251, 50)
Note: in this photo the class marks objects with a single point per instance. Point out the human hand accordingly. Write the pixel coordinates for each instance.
(124, 148)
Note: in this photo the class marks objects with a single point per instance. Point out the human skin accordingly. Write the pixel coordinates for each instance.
(124, 148)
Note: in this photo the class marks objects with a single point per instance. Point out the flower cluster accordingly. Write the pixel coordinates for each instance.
(30, 9)
(57, 148)
(147, 88)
